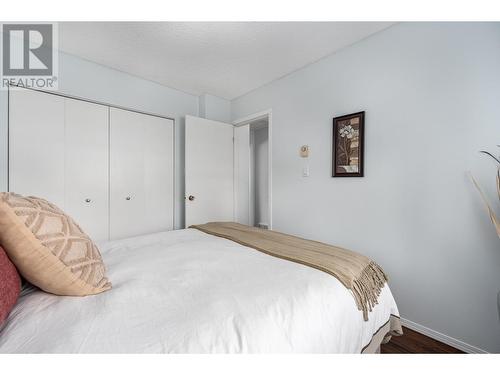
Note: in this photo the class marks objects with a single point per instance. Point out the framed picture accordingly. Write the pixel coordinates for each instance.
(348, 145)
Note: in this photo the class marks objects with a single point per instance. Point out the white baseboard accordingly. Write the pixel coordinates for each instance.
(442, 337)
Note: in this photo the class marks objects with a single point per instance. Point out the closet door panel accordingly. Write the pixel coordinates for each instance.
(159, 173)
(36, 145)
(127, 194)
(141, 174)
(87, 166)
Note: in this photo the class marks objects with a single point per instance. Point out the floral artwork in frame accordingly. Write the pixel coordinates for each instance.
(348, 145)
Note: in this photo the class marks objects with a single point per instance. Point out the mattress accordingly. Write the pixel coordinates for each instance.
(186, 291)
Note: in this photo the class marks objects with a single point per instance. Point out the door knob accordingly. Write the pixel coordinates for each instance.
(88, 200)
(128, 198)
(191, 198)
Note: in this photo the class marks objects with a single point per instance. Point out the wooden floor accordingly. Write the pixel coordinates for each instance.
(414, 342)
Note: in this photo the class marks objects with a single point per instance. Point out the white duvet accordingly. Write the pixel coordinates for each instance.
(189, 292)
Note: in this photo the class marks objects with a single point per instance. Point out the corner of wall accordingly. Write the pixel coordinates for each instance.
(202, 107)
(214, 108)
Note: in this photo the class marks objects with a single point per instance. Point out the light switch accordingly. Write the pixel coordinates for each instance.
(305, 171)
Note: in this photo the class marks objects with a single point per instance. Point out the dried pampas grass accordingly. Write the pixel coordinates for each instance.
(493, 217)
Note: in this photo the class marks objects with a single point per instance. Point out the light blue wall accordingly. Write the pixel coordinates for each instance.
(431, 92)
(87, 80)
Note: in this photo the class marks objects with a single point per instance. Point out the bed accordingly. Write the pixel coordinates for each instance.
(187, 291)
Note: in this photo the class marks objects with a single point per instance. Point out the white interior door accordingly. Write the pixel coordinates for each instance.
(36, 145)
(209, 171)
(141, 173)
(86, 166)
(242, 180)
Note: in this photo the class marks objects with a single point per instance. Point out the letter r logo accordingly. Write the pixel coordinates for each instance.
(27, 50)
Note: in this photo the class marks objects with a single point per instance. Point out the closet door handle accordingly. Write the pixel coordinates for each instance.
(88, 200)
(191, 198)
(128, 198)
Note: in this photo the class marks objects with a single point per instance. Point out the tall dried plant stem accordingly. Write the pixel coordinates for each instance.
(493, 217)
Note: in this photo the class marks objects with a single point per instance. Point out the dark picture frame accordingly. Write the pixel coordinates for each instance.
(348, 145)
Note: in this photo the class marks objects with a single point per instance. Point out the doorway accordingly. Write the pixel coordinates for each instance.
(228, 171)
(253, 194)
(259, 172)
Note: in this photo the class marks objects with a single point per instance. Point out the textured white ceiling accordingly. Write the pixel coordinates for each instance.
(227, 59)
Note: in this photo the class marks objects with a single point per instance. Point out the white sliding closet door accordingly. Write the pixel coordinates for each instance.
(36, 145)
(158, 174)
(86, 167)
(141, 173)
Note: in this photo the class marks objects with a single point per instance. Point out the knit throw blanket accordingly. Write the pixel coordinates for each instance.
(362, 276)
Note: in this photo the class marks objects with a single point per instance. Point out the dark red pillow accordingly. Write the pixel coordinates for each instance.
(10, 286)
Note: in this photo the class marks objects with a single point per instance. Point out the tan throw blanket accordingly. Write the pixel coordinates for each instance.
(356, 272)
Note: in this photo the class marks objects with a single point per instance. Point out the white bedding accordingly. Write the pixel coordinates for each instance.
(188, 292)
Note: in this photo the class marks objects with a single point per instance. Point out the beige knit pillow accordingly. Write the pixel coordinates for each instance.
(48, 248)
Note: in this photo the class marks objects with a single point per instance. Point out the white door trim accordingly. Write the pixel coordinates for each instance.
(245, 120)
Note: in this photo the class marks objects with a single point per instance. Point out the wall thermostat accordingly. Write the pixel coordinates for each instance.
(304, 151)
